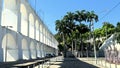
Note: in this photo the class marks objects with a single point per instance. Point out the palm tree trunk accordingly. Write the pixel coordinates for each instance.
(81, 52)
(75, 48)
(72, 47)
(81, 45)
(89, 37)
(64, 45)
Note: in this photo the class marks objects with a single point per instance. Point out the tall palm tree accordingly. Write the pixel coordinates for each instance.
(92, 17)
(65, 27)
(69, 19)
(60, 27)
(80, 16)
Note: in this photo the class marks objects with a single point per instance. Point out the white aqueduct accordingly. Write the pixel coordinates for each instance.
(23, 34)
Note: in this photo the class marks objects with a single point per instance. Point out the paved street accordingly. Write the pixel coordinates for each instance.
(82, 63)
(71, 63)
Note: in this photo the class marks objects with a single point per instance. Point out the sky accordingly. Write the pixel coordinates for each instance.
(52, 10)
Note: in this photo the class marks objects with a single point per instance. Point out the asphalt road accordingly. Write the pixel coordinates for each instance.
(72, 63)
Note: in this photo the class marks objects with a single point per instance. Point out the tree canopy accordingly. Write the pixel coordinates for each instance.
(73, 31)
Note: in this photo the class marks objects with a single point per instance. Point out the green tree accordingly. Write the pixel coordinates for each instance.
(92, 17)
(107, 29)
(80, 16)
(65, 28)
(61, 28)
(97, 33)
(69, 29)
(117, 29)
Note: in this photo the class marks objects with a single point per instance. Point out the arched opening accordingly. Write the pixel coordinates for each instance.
(24, 20)
(31, 25)
(47, 49)
(25, 49)
(10, 49)
(9, 16)
(33, 50)
(37, 30)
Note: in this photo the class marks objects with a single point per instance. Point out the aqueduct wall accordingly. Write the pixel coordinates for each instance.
(23, 34)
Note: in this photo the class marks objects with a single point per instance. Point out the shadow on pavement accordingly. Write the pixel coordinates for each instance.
(73, 62)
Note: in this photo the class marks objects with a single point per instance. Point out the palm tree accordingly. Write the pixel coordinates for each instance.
(82, 29)
(80, 16)
(69, 18)
(60, 27)
(91, 17)
(65, 28)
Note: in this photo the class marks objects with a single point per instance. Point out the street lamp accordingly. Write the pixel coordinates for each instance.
(6, 41)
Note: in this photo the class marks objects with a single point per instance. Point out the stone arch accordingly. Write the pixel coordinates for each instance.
(33, 50)
(37, 30)
(24, 19)
(10, 51)
(25, 49)
(31, 25)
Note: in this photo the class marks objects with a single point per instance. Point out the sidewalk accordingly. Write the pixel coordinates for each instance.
(100, 63)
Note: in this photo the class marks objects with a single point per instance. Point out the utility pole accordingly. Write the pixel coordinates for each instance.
(95, 53)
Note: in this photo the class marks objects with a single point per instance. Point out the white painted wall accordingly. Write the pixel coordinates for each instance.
(23, 43)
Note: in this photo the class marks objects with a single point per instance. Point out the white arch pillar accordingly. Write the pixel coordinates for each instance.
(1, 49)
(1, 6)
(19, 43)
(35, 44)
(35, 29)
(28, 40)
(18, 16)
(39, 31)
(18, 38)
(28, 25)
(38, 50)
(42, 50)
